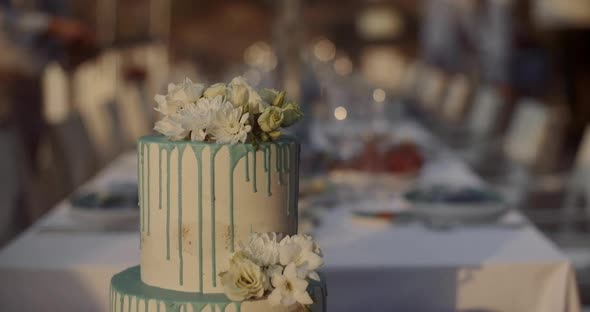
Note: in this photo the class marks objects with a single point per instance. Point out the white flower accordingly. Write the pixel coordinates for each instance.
(215, 90)
(289, 288)
(178, 96)
(229, 125)
(196, 117)
(262, 248)
(273, 271)
(239, 95)
(304, 253)
(171, 128)
(270, 119)
(244, 280)
(255, 103)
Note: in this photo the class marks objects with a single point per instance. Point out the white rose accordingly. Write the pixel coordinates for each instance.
(255, 102)
(270, 119)
(187, 92)
(244, 279)
(239, 95)
(178, 96)
(171, 128)
(215, 90)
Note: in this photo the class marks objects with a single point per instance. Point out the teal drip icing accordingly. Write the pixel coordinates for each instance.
(214, 149)
(146, 303)
(148, 190)
(121, 299)
(198, 151)
(295, 187)
(247, 167)
(198, 307)
(136, 304)
(279, 162)
(287, 165)
(158, 306)
(129, 303)
(264, 150)
(254, 187)
(180, 258)
(236, 152)
(267, 153)
(287, 159)
(168, 152)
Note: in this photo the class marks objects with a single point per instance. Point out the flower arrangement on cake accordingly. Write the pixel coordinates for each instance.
(224, 113)
(273, 265)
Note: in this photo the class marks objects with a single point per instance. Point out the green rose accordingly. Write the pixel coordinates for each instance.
(273, 97)
(215, 90)
(270, 119)
(268, 95)
(239, 95)
(291, 114)
(274, 134)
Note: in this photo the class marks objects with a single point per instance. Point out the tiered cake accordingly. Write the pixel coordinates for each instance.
(218, 212)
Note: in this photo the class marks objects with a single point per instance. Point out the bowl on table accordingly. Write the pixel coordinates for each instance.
(115, 203)
(449, 206)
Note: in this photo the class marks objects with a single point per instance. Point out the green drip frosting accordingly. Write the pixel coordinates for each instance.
(247, 167)
(254, 188)
(268, 157)
(214, 149)
(180, 257)
(148, 189)
(279, 162)
(198, 151)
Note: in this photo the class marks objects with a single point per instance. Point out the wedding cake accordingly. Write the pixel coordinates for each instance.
(218, 192)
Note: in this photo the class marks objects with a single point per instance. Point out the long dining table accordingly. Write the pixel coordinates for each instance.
(60, 264)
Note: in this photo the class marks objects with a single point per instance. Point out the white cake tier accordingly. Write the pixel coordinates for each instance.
(199, 200)
(129, 294)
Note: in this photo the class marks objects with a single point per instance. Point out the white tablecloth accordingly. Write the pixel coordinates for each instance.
(401, 268)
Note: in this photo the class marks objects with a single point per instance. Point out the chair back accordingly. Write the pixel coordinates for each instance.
(455, 101)
(527, 132)
(485, 111)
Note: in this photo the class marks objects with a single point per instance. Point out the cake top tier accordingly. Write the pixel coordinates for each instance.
(224, 113)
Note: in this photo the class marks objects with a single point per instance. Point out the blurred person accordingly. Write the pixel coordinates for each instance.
(32, 33)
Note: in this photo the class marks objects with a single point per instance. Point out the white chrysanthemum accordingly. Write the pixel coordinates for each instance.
(289, 288)
(178, 96)
(262, 248)
(171, 128)
(255, 103)
(229, 125)
(302, 251)
(196, 118)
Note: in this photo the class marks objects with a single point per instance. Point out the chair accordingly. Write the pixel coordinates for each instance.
(432, 89)
(72, 140)
(577, 187)
(456, 100)
(512, 167)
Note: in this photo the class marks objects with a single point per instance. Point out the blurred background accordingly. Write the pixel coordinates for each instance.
(503, 84)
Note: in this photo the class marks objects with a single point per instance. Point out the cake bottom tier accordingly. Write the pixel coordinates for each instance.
(130, 294)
